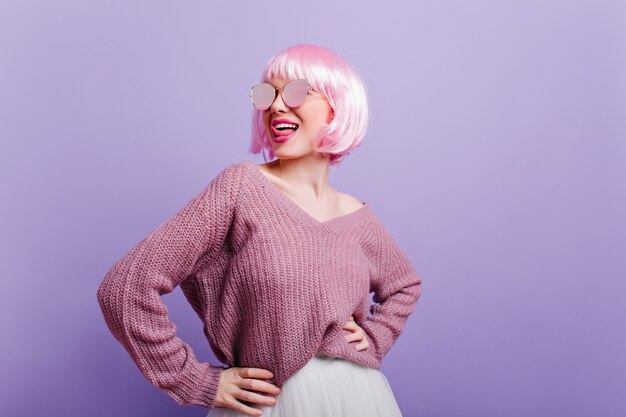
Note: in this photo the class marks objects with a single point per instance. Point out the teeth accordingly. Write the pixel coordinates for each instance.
(286, 126)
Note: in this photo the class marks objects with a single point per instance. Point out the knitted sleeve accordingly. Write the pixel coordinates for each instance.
(130, 294)
(396, 286)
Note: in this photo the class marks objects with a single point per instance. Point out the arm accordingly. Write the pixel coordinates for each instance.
(396, 286)
(130, 294)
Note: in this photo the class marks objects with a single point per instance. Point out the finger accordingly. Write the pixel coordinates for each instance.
(260, 373)
(362, 345)
(254, 398)
(352, 318)
(258, 385)
(352, 337)
(350, 325)
(246, 409)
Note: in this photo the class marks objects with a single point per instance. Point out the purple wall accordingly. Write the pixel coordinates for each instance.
(496, 157)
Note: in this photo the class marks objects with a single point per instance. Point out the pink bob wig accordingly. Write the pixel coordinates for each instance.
(335, 79)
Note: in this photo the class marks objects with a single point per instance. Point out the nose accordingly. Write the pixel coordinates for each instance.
(279, 105)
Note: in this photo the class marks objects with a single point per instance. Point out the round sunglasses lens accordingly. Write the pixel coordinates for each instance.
(295, 92)
(263, 96)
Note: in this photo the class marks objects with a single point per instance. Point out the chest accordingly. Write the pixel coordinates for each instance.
(283, 257)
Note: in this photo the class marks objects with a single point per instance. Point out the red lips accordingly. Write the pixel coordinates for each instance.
(283, 138)
(275, 122)
(283, 135)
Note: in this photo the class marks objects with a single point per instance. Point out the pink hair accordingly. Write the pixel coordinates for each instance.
(334, 78)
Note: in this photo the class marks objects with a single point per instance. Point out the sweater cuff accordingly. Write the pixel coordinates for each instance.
(202, 385)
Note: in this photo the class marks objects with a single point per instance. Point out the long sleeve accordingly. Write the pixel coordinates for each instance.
(130, 294)
(396, 286)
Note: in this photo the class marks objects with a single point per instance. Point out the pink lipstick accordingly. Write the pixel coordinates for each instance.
(281, 136)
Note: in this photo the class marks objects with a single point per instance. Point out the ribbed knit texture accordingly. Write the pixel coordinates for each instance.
(271, 284)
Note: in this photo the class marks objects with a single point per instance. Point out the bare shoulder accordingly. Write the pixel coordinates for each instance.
(266, 169)
(349, 203)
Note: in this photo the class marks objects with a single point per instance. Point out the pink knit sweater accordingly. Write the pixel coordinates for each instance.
(271, 284)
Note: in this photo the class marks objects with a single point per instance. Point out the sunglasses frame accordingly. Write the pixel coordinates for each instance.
(281, 89)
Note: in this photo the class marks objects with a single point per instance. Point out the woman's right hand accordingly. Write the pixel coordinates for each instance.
(237, 383)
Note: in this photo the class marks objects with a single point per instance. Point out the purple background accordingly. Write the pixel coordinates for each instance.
(496, 157)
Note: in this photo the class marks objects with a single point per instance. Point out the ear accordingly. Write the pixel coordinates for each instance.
(331, 115)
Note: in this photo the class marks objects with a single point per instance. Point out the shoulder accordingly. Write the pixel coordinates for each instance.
(235, 169)
(349, 203)
(226, 184)
(233, 175)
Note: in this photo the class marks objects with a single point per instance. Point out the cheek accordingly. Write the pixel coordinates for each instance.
(312, 121)
(314, 125)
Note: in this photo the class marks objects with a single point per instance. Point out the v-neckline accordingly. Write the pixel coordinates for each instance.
(335, 223)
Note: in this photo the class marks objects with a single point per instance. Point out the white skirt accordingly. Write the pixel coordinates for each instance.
(328, 386)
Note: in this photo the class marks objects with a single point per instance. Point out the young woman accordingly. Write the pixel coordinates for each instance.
(277, 264)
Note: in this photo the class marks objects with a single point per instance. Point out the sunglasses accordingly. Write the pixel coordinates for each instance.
(294, 93)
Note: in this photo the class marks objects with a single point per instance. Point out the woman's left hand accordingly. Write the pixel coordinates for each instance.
(357, 334)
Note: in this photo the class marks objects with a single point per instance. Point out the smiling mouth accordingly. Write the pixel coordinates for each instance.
(284, 130)
(284, 136)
